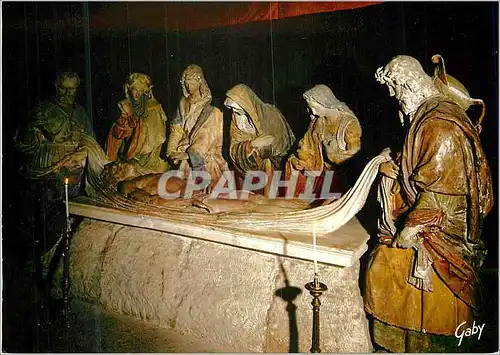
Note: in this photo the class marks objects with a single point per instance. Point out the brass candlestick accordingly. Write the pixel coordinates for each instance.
(316, 289)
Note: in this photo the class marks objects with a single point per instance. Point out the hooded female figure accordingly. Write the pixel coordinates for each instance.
(334, 131)
(260, 135)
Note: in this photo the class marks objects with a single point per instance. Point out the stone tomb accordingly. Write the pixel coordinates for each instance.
(239, 291)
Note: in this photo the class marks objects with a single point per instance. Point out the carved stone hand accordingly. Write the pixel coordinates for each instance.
(408, 237)
(179, 156)
(262, 141)
(389, 169)
(296, 163)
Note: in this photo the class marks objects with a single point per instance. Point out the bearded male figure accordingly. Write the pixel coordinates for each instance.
(422, 277)
(55, 128)
(140, 131)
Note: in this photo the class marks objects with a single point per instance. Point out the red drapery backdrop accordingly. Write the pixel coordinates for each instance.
(188, 16)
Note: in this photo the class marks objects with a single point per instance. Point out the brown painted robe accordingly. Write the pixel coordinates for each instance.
(140, 138)
(444, 185)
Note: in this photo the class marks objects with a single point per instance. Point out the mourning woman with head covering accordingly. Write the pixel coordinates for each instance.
(260, 135)
(334, 131)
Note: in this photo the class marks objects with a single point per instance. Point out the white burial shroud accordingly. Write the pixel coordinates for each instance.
(326, 218)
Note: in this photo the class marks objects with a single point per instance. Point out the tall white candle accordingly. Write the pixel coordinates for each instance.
(66, 195)
(314, 246)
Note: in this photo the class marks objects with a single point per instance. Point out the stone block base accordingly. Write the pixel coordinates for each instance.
(237, 298)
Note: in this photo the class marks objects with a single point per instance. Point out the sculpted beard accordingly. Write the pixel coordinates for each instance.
(409, 101)
(139, 106)
(66, 98)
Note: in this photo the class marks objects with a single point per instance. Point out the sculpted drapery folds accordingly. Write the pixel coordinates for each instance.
(139, 133)
(56, 127)
(54, 146)
(334, 130)
(196, 131)
(422, 277)
(259, 135)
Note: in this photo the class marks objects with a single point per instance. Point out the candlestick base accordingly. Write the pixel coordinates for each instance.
(316, 289)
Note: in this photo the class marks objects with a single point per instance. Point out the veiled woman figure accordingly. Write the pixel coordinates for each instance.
(196, 131)
(260, 135)
(334, 131)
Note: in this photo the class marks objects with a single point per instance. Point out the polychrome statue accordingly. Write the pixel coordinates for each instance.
(224, 207)
(422, 278)
(196, 131)
(140, 131)
(333, 136)
(260, 136)
(122, 184)
(56, 127)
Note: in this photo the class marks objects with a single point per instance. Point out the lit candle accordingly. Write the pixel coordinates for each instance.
(314, 245)
(66, 194)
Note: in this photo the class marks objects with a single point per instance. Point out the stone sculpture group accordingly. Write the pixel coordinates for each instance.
(434, 193)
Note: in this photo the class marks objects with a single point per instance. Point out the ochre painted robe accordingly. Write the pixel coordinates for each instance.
(140, 138)
(338, 137)
(444, 185)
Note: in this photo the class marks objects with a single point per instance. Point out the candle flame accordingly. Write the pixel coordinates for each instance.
(66, 180)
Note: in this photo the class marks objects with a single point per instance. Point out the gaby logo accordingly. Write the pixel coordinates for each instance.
(468, 332)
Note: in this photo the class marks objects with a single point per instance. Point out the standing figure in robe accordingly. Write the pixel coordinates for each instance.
(139, 133)
(334, 131)
(422, 278)
(260, 136)
(55, 127)
(196, 131)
